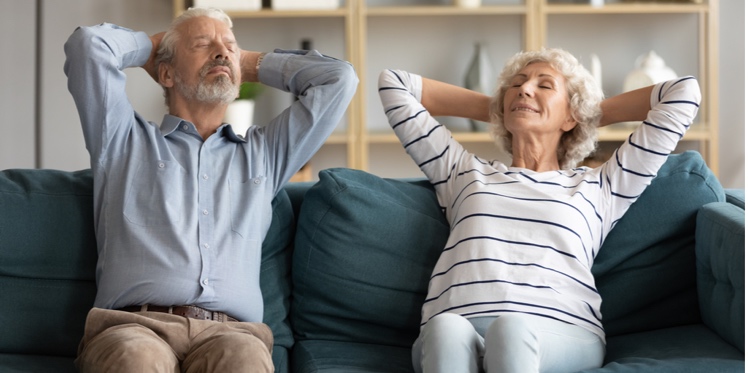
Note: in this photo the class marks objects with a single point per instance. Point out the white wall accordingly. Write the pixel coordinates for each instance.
(61, 137)
(17, 80)
(732, 89)
(62, 141)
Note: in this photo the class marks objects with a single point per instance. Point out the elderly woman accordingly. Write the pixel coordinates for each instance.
(513, 290)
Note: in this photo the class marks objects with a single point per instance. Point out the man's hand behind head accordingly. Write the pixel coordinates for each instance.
(150, 66)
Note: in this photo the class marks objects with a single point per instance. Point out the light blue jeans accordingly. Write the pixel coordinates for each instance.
(514, 342)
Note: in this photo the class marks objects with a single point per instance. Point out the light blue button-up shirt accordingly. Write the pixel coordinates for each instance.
(180, 220)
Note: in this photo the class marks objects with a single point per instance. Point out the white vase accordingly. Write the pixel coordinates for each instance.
(650, 69)
(229, 5)
(239, 115)
(467, 3)
(480, 78)
(304, 4)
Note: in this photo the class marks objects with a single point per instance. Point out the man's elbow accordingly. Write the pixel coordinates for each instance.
(348, 78)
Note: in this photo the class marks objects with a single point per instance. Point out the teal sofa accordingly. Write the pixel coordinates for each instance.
(347, 261)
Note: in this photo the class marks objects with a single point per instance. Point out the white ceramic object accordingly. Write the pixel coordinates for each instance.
(596, 70)
(230, 5)
(304, 4)
(467, 3)
(480, 77)
(650, 69)
(239, 115)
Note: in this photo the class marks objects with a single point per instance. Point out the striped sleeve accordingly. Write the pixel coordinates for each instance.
(427, 141)
(674, 105)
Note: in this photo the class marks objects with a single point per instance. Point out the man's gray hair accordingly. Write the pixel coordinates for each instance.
(167, 48)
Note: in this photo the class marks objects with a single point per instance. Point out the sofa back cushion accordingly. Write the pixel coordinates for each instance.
(48, 263)
(275, 278)
(365, 248)
(364, 251)
(646, 269)
(47, 260)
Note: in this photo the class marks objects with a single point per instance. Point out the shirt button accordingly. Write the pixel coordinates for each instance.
(257, 181)
(184, 127)
(205, 177)
(161, 165)
(205, 212)
(205, 282)
(206, 245)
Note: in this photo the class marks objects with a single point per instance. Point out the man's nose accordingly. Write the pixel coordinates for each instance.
(221, 53)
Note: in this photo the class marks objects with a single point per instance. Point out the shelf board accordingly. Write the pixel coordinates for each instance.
(444, 10)
(463, 137)
(634, 8)
(699, 132)
(337, 139)
(270, 13)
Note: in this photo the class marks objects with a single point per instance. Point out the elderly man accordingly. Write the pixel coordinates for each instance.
(181, 209)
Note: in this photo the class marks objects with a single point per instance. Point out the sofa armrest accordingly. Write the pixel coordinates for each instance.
(736, 197)
(720, 270)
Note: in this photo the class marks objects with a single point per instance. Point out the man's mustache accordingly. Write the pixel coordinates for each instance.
(218, 62)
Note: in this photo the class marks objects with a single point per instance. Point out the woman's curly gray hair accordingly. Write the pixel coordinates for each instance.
(167, 49)
(584, 101)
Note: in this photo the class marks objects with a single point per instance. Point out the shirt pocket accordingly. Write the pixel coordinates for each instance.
(248, 202)
(154, 196)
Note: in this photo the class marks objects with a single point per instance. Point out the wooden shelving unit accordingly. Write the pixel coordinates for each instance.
(360, 141)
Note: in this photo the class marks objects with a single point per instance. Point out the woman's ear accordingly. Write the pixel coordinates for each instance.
(166, 75)
(569, 124)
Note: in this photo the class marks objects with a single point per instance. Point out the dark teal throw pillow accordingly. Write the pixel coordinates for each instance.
(364, 251)
(646, 269)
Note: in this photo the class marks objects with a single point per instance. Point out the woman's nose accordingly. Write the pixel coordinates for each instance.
(525, 90)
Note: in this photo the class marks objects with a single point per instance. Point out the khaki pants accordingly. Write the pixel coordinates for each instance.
(118, 341)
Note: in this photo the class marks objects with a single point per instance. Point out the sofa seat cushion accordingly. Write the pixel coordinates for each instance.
(690, 348)
(646, 268)
(348, 357)
(17, 363)
(364, 251)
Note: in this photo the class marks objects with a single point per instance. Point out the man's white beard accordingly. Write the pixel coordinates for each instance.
(221, 91)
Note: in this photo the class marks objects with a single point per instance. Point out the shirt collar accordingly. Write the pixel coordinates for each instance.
(171, 123)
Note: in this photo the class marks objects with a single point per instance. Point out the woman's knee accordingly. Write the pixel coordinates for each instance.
(448, 325)
(448, 343)
(511, 330)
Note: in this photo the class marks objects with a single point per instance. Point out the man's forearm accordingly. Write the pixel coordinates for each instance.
(250, 63)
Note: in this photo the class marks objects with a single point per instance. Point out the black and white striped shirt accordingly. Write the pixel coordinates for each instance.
(524, 241)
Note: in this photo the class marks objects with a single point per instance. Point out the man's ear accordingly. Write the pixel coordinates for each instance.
(166, 75)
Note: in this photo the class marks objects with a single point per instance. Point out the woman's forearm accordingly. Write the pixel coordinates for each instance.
(626, 107)
(443, 99)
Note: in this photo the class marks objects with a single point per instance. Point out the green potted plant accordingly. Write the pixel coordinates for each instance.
(240, 112)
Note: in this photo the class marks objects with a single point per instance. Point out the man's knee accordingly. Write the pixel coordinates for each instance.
(127, 348)
(230, 352)
(509, 331)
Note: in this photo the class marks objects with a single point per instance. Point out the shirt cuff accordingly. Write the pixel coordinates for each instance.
(143, 51)
(271, 73)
